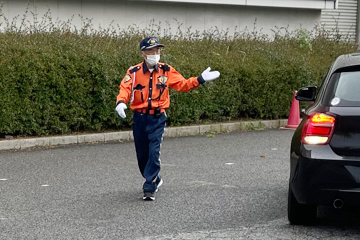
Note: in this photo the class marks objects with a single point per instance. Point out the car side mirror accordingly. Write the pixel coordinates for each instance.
(306, 94)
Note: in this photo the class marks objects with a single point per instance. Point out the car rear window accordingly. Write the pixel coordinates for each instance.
(343, 89)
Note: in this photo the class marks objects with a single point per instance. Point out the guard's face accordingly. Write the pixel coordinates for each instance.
(152, 51)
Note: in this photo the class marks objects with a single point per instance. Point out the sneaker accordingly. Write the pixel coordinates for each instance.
(159, 184)
(149, 196)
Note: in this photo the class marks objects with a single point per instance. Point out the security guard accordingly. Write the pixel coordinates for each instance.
(146, 86)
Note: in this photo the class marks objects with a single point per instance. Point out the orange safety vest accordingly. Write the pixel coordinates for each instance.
(147, 90)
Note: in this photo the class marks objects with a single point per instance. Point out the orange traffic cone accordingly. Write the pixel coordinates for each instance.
(294, 117)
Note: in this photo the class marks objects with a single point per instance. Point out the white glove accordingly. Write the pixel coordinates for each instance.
(208, 76)
(120, 108)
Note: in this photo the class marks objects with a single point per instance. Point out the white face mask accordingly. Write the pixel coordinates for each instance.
(152, 60)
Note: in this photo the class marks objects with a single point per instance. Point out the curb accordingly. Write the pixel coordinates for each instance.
(20, 144)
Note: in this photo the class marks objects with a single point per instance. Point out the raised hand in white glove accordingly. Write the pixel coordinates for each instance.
(208, 75)
(120, 108)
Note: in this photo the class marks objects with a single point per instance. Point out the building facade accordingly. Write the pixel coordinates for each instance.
(172, 17)
(344, 20)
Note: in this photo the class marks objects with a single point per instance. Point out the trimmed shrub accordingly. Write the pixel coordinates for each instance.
(58, 80)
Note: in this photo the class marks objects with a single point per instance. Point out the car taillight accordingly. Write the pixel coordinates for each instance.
(318, 129)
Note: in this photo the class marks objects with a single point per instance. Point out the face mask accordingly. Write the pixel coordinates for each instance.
(152, 60)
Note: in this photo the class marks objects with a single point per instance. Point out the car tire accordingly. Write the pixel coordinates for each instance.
(300, 214)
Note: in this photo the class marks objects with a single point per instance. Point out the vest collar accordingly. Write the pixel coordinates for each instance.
(145, 68)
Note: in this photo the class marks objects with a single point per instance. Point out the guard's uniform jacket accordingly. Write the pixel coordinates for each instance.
(147, 91)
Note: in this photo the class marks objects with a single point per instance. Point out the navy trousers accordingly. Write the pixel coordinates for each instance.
(148, 130)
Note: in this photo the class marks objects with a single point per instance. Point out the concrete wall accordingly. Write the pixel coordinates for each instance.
(308, 4)
(141, 14)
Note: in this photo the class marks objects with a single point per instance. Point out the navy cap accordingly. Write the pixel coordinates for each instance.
(148, 43)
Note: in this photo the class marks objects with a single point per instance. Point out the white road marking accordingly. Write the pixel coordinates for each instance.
(229, 186)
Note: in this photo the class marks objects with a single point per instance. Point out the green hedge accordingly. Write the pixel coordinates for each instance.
(59, 81)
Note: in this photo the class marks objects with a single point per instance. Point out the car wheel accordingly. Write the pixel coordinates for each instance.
(300, 214)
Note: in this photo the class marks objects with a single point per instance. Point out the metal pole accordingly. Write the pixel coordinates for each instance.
(358, 23)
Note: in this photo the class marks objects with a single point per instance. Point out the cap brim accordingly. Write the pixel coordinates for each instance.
(157, 45)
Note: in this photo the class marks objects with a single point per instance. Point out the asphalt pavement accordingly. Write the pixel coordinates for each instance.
(230, 185)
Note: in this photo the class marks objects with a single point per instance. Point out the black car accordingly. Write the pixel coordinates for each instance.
(325, 147)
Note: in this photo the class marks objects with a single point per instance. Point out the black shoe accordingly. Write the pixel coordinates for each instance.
(149, 196)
